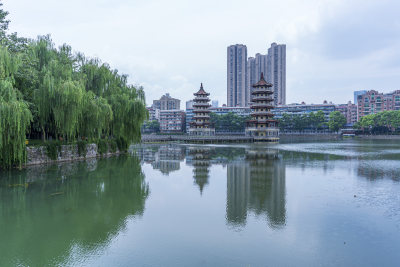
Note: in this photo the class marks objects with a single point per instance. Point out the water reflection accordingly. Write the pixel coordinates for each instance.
(165, 158)
(255, 177)
(200, 158)
(379, 169)
(50, 214)
(257, 186)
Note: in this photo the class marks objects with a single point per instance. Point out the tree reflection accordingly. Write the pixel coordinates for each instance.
(257, 186)
(47, 213)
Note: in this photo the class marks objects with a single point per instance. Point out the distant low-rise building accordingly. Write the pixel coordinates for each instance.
(348, 110)
(154, 114)
(373, 102)
(166, 102)
(357, 93)
(172, 121)
(189, 104)
(240, 111)
(301, 109)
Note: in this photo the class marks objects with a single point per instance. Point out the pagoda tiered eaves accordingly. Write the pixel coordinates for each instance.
(262, 126)
(201, 124)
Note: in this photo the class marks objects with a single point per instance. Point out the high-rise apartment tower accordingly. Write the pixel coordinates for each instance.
(255, 66)
(237, 93)
(276, 72)
(251, 77)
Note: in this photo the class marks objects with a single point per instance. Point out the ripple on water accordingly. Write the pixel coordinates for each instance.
(359, 150)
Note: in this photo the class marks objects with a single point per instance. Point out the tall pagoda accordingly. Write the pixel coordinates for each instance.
(262, 126)
(201, 115)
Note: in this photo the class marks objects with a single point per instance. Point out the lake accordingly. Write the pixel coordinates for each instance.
(290, 204)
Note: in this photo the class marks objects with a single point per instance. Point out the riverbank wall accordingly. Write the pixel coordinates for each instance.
(38, 155)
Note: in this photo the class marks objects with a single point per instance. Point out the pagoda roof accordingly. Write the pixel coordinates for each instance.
(201, 91)
(262, 82)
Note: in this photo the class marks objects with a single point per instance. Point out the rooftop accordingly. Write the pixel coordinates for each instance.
(262, 82)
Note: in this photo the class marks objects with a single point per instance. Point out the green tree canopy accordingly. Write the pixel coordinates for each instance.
(382, 122)
(295, 122)
(336, 121)
(229, 122)
(54, 92)
(15, 116)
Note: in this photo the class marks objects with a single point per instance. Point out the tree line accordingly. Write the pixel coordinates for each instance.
(49, 92)
(380, 123)
(232, 122)
(314, 121)
(229, 122)
(294, 122)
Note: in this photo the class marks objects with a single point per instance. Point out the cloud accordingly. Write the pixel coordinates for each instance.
(355, 49)
(333, 46)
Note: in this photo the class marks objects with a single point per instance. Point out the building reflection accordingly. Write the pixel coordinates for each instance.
(257, 186)
(165, 158)
(200, 157)
(379, 169)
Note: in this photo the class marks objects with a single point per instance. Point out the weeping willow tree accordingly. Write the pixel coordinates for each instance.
(96, 117)
(129, 114)
(59, 98)
(15, 116)
(127, 102)
(79, 97)
(57, 93)
(67, 108)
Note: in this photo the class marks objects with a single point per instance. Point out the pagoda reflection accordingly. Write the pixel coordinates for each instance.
(200, 159)
(257, 186)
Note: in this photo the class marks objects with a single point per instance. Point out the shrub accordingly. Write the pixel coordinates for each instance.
(102, 146)
(52, 149)
(113, 145)
(122, 144)
(82, 148)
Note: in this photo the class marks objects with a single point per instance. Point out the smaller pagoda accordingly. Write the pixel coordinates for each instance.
(262, 126)
(201, 115)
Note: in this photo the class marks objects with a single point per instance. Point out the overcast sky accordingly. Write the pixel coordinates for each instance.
(333, 46)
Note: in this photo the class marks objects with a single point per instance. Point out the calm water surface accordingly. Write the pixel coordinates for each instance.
(295, 204)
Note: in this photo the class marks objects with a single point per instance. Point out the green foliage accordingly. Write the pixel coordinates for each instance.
(229, 122)
(382, 122)
(151, 126)
(122, 144)
(102, 146)
(312, 121)
(55, 93)
(96, 116)
(82, 97)
(15, 116)
(3, 22)
(53, 148)
(112, 145)
(336, 121)
(82, 148)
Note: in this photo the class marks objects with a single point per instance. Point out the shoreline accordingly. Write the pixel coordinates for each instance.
(68, 153)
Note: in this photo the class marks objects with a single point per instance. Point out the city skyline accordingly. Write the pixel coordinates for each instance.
(338, 48)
